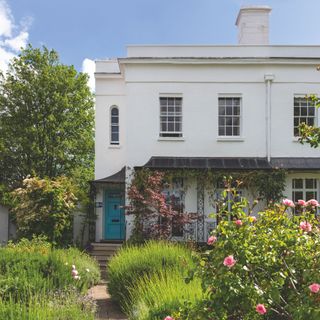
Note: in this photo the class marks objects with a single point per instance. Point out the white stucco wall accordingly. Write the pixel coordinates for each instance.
(200, 74)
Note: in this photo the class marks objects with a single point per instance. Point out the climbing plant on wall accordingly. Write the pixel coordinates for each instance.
(154, 213)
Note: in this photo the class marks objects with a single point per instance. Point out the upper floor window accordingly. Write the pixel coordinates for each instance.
(170, 116)
(229, 116)
(114, 125)
(304, 111)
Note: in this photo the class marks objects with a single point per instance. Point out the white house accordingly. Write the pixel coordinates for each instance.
(235, 107)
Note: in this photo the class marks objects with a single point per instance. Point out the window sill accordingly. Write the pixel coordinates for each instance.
(230, 139)
(171, 139)
(114, 146)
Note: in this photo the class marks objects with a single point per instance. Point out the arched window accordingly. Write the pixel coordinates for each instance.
(114, 125)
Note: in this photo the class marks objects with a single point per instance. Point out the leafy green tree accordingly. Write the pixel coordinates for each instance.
(46, 119)
(45, 207)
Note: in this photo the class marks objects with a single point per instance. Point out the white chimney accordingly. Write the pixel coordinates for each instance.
(253, 25)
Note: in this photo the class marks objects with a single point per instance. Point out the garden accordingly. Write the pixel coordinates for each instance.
(39, 282)
(253, 267)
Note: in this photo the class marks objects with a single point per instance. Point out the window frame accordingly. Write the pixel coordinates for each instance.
(166, 134)
(315, 116)
(304, 189)
(114, 125)
(240, 116)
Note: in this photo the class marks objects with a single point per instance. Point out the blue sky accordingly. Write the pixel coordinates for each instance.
(91, 29)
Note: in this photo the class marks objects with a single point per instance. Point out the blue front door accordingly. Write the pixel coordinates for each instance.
(114, 216)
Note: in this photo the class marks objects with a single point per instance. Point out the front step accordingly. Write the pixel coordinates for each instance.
(103, 252)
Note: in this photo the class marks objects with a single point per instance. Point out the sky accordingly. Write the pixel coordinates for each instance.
(84, 30)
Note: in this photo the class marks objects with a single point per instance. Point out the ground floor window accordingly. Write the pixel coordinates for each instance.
(304, 189)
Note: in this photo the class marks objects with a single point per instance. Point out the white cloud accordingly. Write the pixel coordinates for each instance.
(89, 67)
(12, 36)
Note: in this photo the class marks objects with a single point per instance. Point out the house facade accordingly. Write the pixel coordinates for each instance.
(231, 107)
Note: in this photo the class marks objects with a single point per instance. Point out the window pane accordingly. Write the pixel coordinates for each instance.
(115, 137)
(311, 183)
(236, 131)
(222, 131)
(229, 110)
(297, 195)
(114, 111)
(296, 111)
(311, 111)
(236, 111)
(228, 131)
(311, 195)
(222, 110)
(297, 183)
(222, 121)
(114, 120)
(228, 121)
(236, 121)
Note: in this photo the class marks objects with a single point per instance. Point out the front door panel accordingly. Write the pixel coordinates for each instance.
(114, 216)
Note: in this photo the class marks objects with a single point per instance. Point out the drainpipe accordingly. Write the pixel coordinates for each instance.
(268, 78)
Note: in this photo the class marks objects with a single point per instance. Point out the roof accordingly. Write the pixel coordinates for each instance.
(233, 163)
(207, 163)
(119, 177)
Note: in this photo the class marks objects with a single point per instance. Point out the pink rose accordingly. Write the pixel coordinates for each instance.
(288, 203)
(212, 240)
(302, 203)
(260, 308)
(314, 288)
(168, 318)
(238, 222)
(74, 273)
(313, 203)
(229, 261)
(305, 226)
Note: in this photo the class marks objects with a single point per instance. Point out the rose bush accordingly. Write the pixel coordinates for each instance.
(264, 268)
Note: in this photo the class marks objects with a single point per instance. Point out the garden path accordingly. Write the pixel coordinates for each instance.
(107, 309)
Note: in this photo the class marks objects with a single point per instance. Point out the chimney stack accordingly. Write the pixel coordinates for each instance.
(253, 25)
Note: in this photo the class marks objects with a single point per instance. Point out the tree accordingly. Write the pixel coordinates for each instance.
(46, 119)
(45, 207)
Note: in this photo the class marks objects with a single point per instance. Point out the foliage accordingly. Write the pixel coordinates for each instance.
(45, 207)
(46, 123)
(60, 305)
(133, 262)
(154, 215)
(31, 268)
(265, 263)
(310, 134)
(267, 185)
(154, 297)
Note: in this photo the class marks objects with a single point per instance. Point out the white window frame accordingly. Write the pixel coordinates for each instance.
(304, 190)
(315, 117)
(166, 134)
(231, 137)
(114, 125)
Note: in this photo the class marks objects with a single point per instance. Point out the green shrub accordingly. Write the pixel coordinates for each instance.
(261, 268)
(134, 262)
(27, 270)
(156, 296)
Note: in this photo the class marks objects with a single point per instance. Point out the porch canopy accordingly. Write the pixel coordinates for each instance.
(118, 177)
(233, 163)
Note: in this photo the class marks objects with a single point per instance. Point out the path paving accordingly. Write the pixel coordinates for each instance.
(107, 309)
